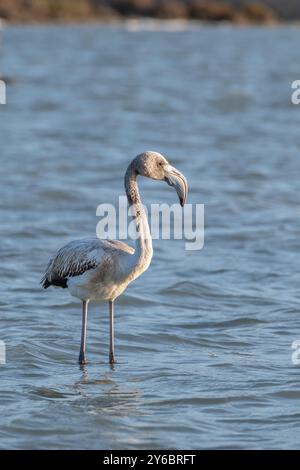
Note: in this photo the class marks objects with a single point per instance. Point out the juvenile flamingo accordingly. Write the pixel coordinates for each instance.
(94, 269)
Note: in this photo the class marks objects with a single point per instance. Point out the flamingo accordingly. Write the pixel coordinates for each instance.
(94, 269)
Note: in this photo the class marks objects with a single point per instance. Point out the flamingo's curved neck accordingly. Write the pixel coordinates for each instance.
(143, 248)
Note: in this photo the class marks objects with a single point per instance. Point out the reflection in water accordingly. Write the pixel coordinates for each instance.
(107, 395)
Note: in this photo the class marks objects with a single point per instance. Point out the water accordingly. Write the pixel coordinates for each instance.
(203, 339)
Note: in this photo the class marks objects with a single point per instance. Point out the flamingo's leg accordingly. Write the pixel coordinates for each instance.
(82, 356)
(112, 358)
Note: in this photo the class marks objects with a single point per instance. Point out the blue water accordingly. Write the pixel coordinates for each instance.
(203, 338)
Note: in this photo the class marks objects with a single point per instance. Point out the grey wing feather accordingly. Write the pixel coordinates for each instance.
(77, 257)
(72, 260)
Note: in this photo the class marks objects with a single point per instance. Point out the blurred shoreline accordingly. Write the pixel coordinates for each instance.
(238, 12)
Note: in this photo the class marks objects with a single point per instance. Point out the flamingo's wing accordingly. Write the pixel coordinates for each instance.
(77, 257)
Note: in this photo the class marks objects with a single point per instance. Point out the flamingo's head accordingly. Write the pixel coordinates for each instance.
(156, 166)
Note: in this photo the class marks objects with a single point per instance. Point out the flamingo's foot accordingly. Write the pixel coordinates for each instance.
(82, 360)
(112, 359)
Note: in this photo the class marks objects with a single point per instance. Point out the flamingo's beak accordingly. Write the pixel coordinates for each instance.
(176, 179)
